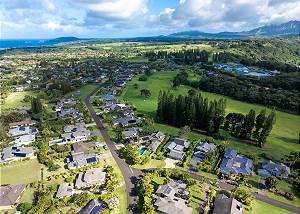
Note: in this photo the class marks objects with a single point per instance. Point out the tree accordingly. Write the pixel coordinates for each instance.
(36, 105)
(145, 93)
(242, 195)
(24, 207)
(271, 182)
(248, 125)
(259, 122)
(267, 128)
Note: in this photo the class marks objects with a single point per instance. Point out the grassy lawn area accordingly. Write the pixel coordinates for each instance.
(260, 207)
(281, 141)
(153, 163)
(122, 200)
(25, 172)
(85, 90)
(295, 202)
(15, 100)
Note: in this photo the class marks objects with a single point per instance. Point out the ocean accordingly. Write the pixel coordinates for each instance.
(22, 43)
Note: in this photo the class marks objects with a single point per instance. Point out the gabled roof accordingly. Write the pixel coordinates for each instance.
(9, 194)
(64, 190)
(93, 207)
(225, 205)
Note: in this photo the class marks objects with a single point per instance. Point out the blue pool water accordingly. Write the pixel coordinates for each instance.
(142, 150)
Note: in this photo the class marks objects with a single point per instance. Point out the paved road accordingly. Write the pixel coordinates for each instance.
(128, 173)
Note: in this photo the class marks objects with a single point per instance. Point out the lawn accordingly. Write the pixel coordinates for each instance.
(260, 207)
(24, 172)
(282, 141)
(15, 100)
(86, 90)
(153, 163)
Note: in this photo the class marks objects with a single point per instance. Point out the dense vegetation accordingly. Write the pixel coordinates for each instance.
(268, 92)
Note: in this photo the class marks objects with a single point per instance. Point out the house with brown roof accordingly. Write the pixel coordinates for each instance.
(25, 122)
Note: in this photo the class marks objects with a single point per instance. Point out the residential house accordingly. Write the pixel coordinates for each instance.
(93, 207)
(16, 153)
(64, 190)
(78, 160)
(172, 198)
(156, 140)
(24, 140)
(269, 168)
(126, 121)
(25, 122)
(176, 148)
(226, 205)
(10, 195)
(72, 134)
(233, 163)
(90, 177)
(132, 134)
(203, 149)
(114, 107)
(22, 130)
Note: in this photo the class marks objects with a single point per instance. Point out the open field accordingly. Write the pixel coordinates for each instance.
(26, 172)
(15, 100)
(259, 207)
(86, 90)
(282, 140)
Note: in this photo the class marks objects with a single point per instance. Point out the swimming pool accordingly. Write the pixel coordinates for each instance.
(142, 150)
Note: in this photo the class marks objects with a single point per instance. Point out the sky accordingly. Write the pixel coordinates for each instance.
(42, 19)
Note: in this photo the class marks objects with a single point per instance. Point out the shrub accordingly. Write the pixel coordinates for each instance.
(143, 78)
(24, 207)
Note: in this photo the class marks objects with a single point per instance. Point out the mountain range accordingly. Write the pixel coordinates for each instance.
(291, 28)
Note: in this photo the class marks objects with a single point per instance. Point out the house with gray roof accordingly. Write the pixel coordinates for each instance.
(176, 148)
(10, 195)
(226, 205)
(172, 198)
(233, 163)
(64, 190)
(203, 149)
(90, 177)
(93, 207)
(269, 168)
(78, 160)
(126, 121)
(16, 153)
(24, 140)
(156, 139)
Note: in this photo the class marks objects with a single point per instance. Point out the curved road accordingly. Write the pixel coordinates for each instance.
(130, 174)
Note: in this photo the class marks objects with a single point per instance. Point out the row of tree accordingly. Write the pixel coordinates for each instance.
(192, 110)
(250, 126)
(190, 56)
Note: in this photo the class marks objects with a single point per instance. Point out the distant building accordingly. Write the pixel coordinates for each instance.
(226, 205)
(90, 177)
(269, 168)
(233, 163)
(10, 195)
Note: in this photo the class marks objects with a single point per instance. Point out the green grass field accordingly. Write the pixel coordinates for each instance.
(24, 172)
(86, 90)
(259, 207)
(15, 100)
(282, 140)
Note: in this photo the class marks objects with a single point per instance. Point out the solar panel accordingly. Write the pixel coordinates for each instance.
(91, 160)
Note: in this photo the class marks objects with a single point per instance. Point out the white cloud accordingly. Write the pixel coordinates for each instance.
(216, 15)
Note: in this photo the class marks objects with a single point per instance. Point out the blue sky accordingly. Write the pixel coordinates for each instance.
(130, 18)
